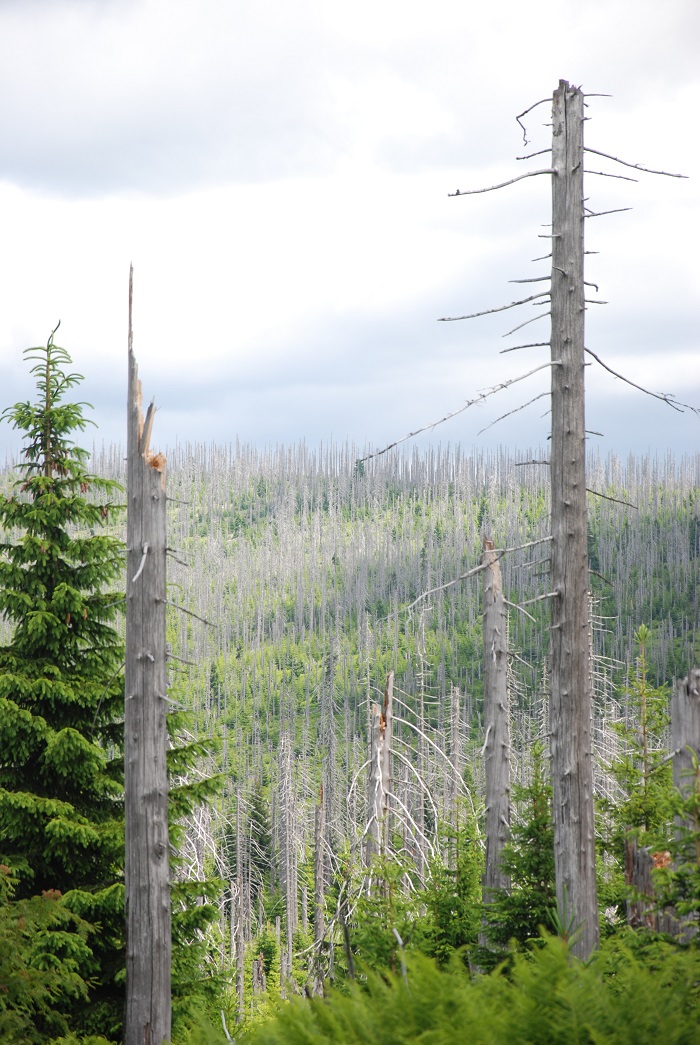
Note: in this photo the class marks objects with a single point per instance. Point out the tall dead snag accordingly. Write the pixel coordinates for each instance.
(685, 734)
(497, 723)
(380, 773)
(685, 740)
(571, 708)
(319, 888)
(147, 872)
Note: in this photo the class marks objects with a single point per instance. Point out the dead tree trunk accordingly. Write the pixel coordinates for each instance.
(685, 744)
(319, 889)
(571, 694)
(685, 734)
(147, 874)
(497, 724)
(379, 773)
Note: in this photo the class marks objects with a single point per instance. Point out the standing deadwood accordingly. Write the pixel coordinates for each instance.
(380, 773)
(319, 888)
(147, 874)
(240, 952)
(319, 871)
(374, 805)
(685, 739)
(388, 717)
(455, 764)
(497, 723)
(685, 733)
(571, 693)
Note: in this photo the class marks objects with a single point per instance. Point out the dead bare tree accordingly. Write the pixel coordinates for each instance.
(571, 717)
(147, 874)
(496, 722)
(571, 702)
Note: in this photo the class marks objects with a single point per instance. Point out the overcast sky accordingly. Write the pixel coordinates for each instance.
(278, 172)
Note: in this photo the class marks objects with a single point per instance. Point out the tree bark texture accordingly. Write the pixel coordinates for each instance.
(379, 773)
(685, 733)
(571, 691)
(147, 873)
(496, 722)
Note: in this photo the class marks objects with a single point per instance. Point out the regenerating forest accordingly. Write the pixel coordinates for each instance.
(374, 801)
(311, 569)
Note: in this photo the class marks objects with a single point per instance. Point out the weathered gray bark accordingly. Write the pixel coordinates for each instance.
(496, 723)
(379, 773)
(147, 875)
(685, 733)
(319, 888)
(685, 744)
(319, 871)
(571, 694)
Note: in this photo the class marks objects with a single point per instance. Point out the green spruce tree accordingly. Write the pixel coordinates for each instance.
(61, 694)
(518, 914)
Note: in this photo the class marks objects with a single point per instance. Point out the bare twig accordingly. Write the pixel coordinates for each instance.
(663, 396)
(527, 321)
(541, 598)
(472, 402)
(607, 497)
(634, 166)
(533, 279)
(188, 612)
(141, 564)
(522, 125)
(515, 410)
(499, 308)
(503, 184)
(531, 155)
(532, 344)
(519, 464)
(517, 606)
(600, 213)
(605, 174)
(500, 552)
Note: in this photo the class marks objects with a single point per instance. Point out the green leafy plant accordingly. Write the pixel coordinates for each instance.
(61, 695)
(519, 913)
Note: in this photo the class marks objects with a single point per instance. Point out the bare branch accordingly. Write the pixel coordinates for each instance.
(188, 612)
(522, 125)
(499, 308)
(533, 320)
(664, 397)
(531, 155)
(520, 464)
(634, 166)
(517, 606)
(541, 598)
(532, 344)
(534, 279)
(503, 184)
(597, 493)
(141, 564)
(500, 552)
(600, 213)
(604, 174)
(515, 410)
(472, 402)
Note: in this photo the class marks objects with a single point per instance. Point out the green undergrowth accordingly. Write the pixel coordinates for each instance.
(626, 993)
